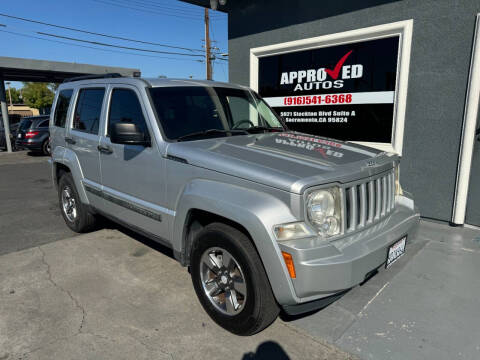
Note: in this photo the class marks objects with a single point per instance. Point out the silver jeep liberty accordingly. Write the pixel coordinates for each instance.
(265, 218)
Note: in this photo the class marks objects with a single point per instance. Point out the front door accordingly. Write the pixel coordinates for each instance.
(132, 175)
(473, 202)
(83, 138)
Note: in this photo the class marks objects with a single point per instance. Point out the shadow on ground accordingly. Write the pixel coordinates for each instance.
(155, 245)
(266, 351)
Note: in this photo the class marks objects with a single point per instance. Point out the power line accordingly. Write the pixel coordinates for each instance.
(148, 11)
(117, 46)
(145, 10)
(94, 48)
(155, 5)
(98, 34)
(180, 6)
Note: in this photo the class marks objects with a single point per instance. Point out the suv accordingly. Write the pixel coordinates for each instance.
(265, 218)
(33, 134)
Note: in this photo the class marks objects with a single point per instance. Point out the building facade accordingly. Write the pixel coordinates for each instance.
(402, 76)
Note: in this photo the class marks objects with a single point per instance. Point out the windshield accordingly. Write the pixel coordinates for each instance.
(194, 111)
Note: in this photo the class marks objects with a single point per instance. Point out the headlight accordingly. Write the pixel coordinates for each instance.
(324, 211)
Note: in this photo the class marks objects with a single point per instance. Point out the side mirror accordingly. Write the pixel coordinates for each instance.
(128, 134)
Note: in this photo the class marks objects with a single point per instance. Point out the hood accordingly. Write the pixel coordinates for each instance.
(289, 161)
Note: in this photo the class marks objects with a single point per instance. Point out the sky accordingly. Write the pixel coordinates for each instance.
(166, 22)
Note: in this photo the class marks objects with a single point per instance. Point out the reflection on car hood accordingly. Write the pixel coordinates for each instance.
(290, 161)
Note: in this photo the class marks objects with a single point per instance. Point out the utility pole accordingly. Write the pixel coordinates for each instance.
(3, 107)
(208, 58)
(10, 95)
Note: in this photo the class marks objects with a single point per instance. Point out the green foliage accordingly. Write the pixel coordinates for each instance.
(15, 96)
(37, 95)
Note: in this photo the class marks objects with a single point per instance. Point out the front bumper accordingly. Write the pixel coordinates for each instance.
(324, 269)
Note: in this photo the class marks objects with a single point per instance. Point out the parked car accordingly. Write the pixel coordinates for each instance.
(13, 120)
(33, 134)
(265, 218)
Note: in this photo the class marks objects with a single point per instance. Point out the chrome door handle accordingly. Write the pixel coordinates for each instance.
(105, 149)
(70, 140)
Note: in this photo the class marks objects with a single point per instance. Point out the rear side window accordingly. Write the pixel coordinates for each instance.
(125, 107)
(44, 123)
(88, 110)
(62, 107)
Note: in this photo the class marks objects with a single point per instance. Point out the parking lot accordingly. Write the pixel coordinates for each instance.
(112, 294)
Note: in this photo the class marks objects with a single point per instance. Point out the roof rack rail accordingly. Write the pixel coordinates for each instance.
(93, 76)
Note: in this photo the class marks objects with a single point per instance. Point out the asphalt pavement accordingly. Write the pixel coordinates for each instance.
(29, 212)
(112, 294)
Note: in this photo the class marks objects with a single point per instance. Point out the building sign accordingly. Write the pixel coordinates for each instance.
(345, 92)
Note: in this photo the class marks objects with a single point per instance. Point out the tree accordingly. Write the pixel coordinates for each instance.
(37, 95)
(15, 96)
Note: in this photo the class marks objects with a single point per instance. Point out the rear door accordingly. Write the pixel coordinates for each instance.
(83, 138)
(133, 176)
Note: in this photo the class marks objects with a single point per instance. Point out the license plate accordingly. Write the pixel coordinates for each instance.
(19, 136)
(396, 251)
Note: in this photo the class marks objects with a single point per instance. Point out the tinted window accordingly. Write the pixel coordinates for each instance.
(25, 125)
(88, 109)
(125, 107)
(43, 123)
(186, 110)
(62, 107)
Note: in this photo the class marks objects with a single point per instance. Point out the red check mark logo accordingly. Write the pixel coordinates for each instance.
(334, 73)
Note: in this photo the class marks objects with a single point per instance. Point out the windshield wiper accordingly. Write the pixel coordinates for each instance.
(211, 131)
(264, 128)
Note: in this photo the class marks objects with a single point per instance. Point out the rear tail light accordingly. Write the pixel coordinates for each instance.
(31, 134)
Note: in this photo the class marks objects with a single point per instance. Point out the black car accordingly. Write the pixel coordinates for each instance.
(14, 121)
(33, 134)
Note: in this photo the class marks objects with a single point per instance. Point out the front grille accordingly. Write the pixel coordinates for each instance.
(369, 201)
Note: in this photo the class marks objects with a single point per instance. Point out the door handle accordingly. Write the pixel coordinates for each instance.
(70, 140)
(105, 149)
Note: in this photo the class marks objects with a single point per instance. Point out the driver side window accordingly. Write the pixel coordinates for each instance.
(125, 107)
(242, 110)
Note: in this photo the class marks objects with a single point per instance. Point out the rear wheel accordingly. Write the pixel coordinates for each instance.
(46, 147)
(76, 215)
(230, 281)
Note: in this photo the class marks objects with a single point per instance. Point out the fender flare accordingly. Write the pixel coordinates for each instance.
(68, 158)
(256, 211)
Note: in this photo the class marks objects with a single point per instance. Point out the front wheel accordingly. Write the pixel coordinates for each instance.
(230, 281)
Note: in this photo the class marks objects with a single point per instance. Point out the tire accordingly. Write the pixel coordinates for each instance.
(256, 309)
(46, 147)
(79, 219)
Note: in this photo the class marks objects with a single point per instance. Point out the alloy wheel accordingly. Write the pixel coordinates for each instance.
(223, 281)
(68, 204)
